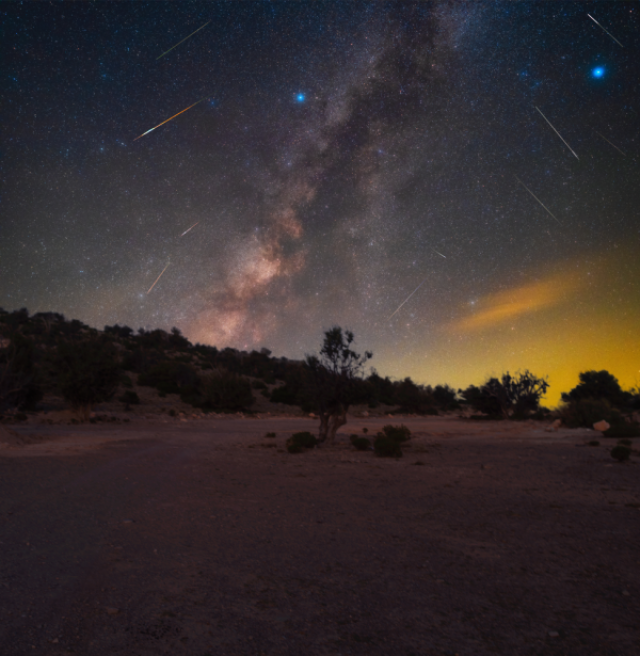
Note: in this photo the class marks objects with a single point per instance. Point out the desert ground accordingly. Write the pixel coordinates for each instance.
(204, 537)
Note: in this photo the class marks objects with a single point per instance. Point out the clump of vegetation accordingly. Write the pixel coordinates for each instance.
(360, 443)
(129, 398)
(514, 397)
(386, 447)
(620, 453)
(169, 377)
(224, 391)
(270, 435)
(88, 373)
(300, 442)
(593, 443)
(365, 430)
(19, 385)
(173, 413)
(584, 413)
(398, 433)
(599, 385)
(625, 442)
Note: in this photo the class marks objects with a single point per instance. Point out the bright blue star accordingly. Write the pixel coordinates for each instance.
(300, 97)
(598, 71)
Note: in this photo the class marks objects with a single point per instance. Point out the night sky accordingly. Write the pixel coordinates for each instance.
(339, 156)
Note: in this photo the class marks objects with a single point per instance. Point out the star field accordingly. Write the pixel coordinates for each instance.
(333, 159)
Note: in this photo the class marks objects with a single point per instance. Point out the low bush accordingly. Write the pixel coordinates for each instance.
(386, 447)
(270, 435)
(365, 430)
(300, 442)
(360, 443)
(625, 442)
(397, 433)
(593, 443)
(620, 453)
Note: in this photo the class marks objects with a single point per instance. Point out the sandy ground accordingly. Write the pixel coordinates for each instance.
(204, 537)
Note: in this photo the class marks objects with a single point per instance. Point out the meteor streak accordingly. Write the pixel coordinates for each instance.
(408, 297)
(612, 144)
(158, 278)
(541, 203)
(183, 40)
(563, 141)
(602, 28)
(191, 228)
(169, 119)
(440, 254)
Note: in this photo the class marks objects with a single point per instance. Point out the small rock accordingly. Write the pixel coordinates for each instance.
(112, 611)
(554, 426)
(626, 593)
(601, 426)
(128, 521)
(365, 414)
(553, 634)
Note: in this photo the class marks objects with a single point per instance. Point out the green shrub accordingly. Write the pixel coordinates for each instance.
(584, 413)
(173, 413)
(397, 433)
(625, 442)
(623, 429)
(299, 442)
(360, 443)
(258, 384)
(126, 381)
(365, 430)
(620, 452)
(130, 398)
(593, 443)
(270, 435)
(385, 447)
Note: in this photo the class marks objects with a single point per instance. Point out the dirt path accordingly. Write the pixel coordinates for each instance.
(201, 539)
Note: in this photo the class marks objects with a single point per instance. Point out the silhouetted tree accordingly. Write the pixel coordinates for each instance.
(335, 375)
(517, 395)
(598, 385)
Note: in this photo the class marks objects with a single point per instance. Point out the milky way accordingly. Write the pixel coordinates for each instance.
(337, 156)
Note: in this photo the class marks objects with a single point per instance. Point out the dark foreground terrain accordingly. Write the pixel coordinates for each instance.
(203, 539)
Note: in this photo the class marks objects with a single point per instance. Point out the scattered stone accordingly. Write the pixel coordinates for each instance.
(626, 593)
(112, 611)
(128, 521)
(554, 426)
(601, 426)
(553, 634)
(365, 414)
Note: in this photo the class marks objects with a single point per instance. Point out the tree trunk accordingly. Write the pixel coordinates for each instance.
(336, 419)
(324, 427)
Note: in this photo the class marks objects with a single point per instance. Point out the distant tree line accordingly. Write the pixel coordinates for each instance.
(45, 352)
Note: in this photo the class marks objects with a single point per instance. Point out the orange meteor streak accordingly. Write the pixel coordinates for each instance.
(158, 278)
(169, 119)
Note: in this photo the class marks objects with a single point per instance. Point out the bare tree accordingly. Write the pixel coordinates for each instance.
(336, 375)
